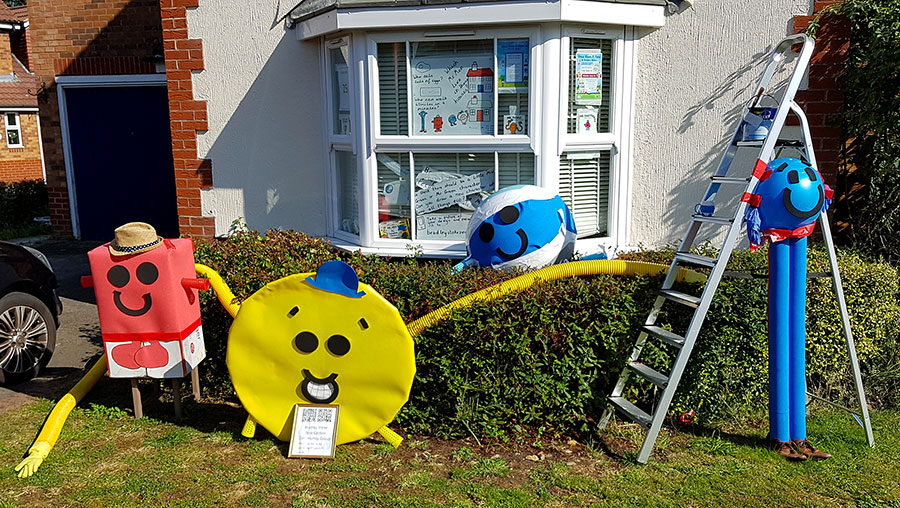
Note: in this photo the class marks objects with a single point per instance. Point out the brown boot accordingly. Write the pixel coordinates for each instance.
(785, 449)
(803, 447)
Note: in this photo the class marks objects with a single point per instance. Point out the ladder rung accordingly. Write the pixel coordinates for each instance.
(713, 219)
(634, 413)
(696, 259)
(664, 335)
(649, 374)
(682, 298)
(793, 143)
(730, 179)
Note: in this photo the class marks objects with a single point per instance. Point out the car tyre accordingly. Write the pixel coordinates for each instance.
(27, 337)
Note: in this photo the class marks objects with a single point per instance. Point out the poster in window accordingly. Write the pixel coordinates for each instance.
(442, 226)
(589, 76)
(587, 120)
(512, 56)
(453, 94)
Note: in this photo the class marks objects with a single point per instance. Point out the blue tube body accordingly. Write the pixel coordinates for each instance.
(779, 350)
(798, 338)
(787, 339)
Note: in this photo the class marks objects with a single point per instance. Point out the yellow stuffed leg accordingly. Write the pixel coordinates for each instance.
(390, 436)
(54, 424)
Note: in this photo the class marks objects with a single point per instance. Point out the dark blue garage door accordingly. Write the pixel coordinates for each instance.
(122, 159)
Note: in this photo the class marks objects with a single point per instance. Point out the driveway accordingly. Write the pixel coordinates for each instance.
(78, 338)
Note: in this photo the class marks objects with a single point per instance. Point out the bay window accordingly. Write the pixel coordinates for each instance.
(423, 125)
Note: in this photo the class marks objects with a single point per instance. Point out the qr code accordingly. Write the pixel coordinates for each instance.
(313, 414)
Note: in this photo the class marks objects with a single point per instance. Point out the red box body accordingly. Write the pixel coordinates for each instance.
(141, 300)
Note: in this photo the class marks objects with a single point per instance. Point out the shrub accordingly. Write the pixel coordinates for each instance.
(21, 202)
(545, 359)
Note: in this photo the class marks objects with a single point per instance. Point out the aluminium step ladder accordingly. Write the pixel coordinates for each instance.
(782, 54)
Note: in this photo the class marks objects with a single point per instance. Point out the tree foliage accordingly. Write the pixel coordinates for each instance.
(871, 85)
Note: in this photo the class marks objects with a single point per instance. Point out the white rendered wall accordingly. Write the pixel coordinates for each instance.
(263, 93)
(693, 77)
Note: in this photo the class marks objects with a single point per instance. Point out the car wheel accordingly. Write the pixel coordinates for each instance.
(27, 337)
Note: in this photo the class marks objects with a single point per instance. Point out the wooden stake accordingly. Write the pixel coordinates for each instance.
(195, 383)
(136, 399)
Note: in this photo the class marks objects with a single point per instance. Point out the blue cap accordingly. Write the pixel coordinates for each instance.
(337, 277)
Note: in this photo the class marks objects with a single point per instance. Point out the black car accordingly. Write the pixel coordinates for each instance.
(29, 312)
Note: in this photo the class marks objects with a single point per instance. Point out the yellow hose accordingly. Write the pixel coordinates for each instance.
(223, 292)
(54, 424)
(554, 272)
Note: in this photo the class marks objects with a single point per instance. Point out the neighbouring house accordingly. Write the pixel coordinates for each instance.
(20, 150)
(104, 115)
(341, 118)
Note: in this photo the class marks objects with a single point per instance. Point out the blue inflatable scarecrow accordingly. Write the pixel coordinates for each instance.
(523, 226)
(788, 200)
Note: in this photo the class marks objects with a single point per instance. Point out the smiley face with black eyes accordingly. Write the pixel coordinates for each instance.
(321, 338)
(792, 195)
(522, 226)
(118, 275)
(320, 390)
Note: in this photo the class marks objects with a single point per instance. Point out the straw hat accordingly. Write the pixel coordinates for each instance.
(134, 238)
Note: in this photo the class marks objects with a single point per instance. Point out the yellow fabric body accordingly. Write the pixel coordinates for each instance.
(267, 369)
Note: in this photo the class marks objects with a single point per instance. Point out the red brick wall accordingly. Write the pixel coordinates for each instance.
(16, 171)
(187, 116)
(74, 37)
(19, 42)
(823, 101)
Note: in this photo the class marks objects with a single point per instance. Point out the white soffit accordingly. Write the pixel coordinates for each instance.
(573, 11)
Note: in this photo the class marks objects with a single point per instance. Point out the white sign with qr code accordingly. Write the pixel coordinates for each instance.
(315, 430)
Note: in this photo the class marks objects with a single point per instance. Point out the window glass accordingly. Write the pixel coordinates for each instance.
(12, 119)
(393, 195)
(590, 93)
(584, 186)
(449, 186)
(512, 85)
(452, 87)
(12, 137)
(392, 97)
(340, 90)
(347, 192)
(515, 169)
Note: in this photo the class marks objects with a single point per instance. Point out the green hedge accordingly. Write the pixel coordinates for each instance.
(21, 202)
(545, 359)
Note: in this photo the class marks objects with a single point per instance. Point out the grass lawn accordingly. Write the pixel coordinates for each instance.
(106, 458)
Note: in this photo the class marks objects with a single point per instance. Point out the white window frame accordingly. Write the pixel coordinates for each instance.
(547, 103)
(411, 144)
(340, 142)
(618, 141)
(17, 128)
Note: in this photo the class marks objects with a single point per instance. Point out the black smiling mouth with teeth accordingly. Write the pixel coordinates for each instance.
(319, 391)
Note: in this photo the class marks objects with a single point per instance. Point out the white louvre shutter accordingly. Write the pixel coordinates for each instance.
(392, 88)
(584, 186)
(515, 169)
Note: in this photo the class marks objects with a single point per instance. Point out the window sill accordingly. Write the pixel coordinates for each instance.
(402, 249)
(377, 15)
